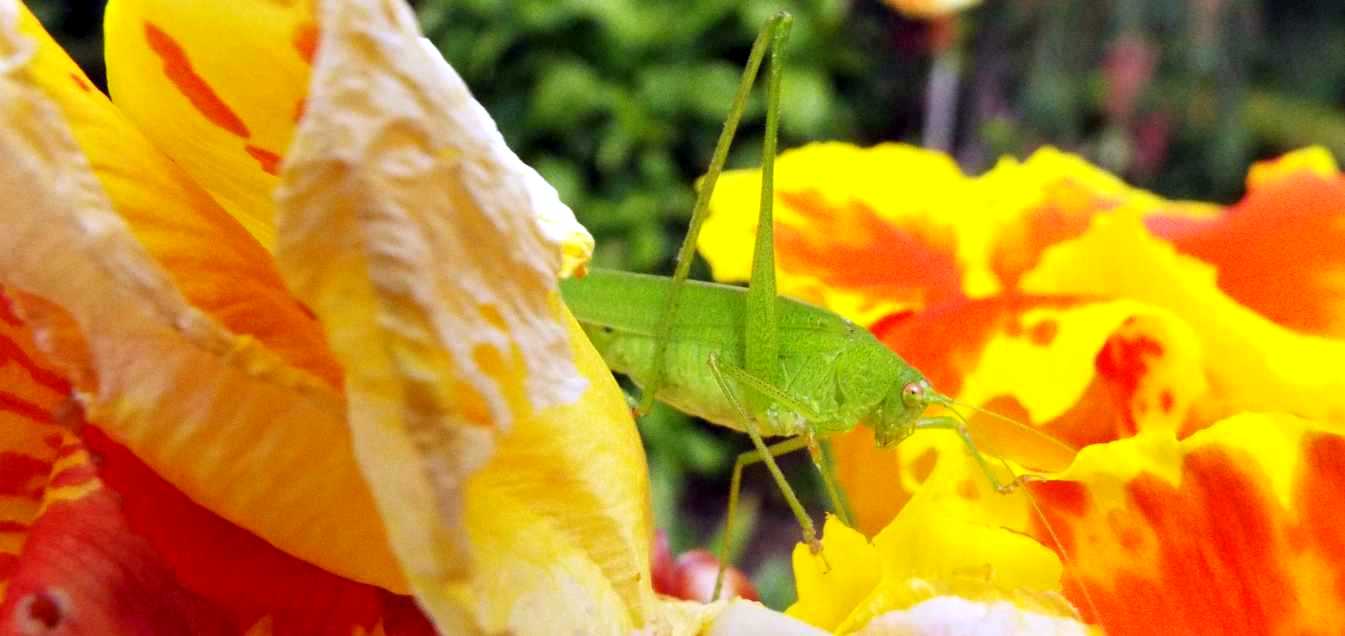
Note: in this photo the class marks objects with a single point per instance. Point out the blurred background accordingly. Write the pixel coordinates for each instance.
(618, 103)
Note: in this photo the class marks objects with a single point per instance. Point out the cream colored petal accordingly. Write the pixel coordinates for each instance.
(412, 231)
(169, 381)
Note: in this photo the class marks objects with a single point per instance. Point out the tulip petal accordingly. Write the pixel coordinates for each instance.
(412, 231)
(213, 261)
(1232, 530)
(225, 420)
(218, 87)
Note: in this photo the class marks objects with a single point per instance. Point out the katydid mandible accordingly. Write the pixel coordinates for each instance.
(747, 358)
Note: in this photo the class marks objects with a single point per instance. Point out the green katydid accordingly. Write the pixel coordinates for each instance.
(748, 359)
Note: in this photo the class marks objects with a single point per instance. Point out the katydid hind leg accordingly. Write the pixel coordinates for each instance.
(686, 252)
(762, 330)
(735, 486)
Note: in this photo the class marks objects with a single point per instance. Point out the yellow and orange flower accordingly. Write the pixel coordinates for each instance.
(1195, 354)
(281, 349)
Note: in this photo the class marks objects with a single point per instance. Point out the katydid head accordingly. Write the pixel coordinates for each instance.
(904, 404)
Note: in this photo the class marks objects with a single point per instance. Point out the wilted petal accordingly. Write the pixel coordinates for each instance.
(1232, 530)
(217, 86)
(513, 486)
(224, 419)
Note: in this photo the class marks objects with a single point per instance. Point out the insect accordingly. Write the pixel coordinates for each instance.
(748, 359)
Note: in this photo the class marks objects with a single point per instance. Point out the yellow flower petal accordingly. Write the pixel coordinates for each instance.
(410, 228)
(829, 587)
(225, 420)
(1316, 160)
(218, 87)
(942, 544)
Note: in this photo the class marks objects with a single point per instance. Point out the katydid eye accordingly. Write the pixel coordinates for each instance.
(914, 392)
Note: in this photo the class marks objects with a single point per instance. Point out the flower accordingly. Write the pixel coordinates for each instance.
(931, 9)
(1192, 353)
(282, 350)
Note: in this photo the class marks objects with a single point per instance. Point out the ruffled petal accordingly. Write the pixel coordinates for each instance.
(1232, 530)
(218, 87)
(1050, 197)
(1253, 363)
(1070, 371)
(500, 452)
(222, 418)
(941, 545)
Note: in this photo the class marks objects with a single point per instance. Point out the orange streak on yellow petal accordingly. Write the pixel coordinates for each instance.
(1253, 363)
(192, 86)
(205, 81)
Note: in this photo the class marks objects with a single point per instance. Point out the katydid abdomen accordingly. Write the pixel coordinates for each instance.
(837, 369)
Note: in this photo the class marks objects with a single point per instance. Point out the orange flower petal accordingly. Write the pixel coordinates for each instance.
(1232, 530)
(82, 570)
(218, 87)
(118, 550)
